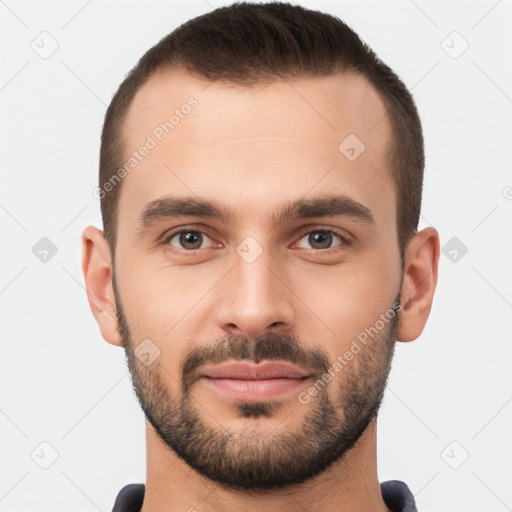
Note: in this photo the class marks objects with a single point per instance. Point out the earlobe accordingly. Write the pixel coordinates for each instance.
(97, 269)
(419, 284)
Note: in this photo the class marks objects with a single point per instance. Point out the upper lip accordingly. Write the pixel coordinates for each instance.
(247, 371)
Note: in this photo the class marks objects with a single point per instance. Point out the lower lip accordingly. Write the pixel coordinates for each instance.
(253, 390)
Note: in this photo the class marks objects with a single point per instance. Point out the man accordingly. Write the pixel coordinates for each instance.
(260, 181)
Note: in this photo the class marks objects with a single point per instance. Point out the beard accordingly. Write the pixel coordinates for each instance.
(250, 458)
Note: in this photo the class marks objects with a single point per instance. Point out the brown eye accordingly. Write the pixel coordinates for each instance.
(323, 239)
(187, 239)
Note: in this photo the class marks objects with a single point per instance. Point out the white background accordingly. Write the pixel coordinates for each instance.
(61, 383)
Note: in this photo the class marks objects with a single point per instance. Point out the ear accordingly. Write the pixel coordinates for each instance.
(419, 284)
(97, 269)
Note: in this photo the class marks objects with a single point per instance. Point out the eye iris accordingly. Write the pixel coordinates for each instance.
(324, 239)
(189, 237)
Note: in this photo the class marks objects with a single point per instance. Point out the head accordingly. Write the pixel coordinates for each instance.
(260, 181)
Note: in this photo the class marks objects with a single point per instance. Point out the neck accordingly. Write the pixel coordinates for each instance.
(347, 485)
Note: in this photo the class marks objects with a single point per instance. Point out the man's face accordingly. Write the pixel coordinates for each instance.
(256, 285)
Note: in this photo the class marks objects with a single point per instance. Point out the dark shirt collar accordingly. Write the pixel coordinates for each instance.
(396, 496)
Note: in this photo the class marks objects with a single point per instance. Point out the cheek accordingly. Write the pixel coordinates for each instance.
(157, 296)
(339, 303)
(162, 303)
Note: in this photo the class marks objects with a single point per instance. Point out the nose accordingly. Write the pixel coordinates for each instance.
(255, 299)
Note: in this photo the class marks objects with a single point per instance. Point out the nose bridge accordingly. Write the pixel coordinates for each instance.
(254, 299)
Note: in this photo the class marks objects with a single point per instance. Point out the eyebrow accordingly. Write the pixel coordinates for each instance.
(324, 206)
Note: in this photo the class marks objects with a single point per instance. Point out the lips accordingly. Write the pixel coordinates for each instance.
(261, 371)
(254, 383)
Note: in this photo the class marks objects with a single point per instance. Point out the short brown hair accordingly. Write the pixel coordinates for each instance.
(250, 44)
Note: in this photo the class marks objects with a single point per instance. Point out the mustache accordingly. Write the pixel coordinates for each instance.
(268, 347)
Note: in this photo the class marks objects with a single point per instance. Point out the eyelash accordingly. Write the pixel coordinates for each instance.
(168, 236)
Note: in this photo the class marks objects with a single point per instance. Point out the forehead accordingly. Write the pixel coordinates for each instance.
(335, 104)
(256, 145)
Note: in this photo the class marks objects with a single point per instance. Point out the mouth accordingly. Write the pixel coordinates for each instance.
(254, 383)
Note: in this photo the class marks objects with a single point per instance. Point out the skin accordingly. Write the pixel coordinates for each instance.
(254, 149)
